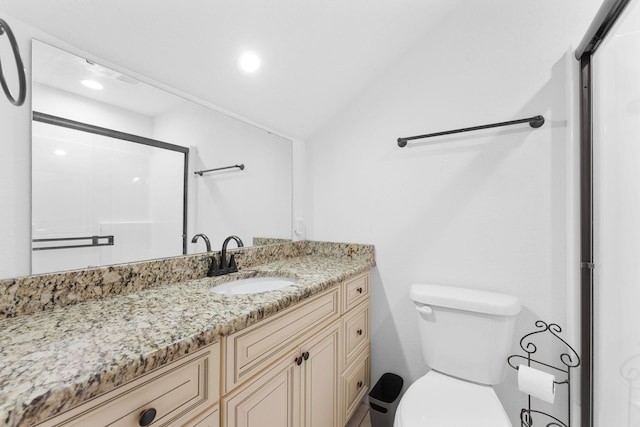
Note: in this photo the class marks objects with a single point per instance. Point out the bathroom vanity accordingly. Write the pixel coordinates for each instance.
(179, 354)
(299, 367)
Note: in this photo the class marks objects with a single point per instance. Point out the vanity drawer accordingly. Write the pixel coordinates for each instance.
(252, 349)
(355, 332)
(356, 290)
(176, 392)
(355, 383)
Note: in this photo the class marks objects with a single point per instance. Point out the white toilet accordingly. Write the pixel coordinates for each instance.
(466, 337)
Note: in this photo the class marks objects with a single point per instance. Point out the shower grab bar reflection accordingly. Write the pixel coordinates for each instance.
(95, 241)
(534, 122)
(241, 167)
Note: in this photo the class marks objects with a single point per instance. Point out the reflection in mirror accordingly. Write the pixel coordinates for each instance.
(134, 192)
(103, 197)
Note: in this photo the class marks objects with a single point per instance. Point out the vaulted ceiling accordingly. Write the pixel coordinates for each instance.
(316, 55)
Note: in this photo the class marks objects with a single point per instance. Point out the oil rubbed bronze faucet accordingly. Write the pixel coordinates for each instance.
(206, 240)
(224, 267)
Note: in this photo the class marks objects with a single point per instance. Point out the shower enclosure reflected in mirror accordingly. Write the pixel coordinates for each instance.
(103, 197)
(118, 200)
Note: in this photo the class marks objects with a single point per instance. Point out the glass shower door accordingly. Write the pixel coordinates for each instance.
(616, 139)
(114, 200)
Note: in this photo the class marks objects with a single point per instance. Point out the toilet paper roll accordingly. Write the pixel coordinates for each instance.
(536, 383)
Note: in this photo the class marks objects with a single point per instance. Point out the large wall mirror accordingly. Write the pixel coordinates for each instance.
(114, 164)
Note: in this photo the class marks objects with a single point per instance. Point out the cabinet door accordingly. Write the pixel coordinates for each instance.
(253, 349)
(320, 380)
(272, 400)
(355, 383)
(355, 333)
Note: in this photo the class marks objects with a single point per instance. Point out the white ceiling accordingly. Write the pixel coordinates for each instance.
(316, 54)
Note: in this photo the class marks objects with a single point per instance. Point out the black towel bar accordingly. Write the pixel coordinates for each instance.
(534, 122)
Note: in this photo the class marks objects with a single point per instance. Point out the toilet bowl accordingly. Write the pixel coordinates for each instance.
(466, 336)
(438, 400)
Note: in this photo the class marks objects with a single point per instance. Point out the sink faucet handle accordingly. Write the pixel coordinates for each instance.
(213, 267)
(232, 263)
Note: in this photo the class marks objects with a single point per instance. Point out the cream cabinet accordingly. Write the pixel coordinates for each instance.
(271, 399)
(308, 366)
(301, 389)
(171, 395)
(355, 291)
(254, 349)
(320, 388)
(355, 377)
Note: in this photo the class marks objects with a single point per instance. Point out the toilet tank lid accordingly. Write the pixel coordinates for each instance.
(465, 299)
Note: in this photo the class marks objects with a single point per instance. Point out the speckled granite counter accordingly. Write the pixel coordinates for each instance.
(53, 360)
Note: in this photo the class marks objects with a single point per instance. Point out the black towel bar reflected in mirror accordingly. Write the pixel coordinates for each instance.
(202, 172)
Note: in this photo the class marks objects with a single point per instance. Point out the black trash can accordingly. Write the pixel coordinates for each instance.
(384, 399)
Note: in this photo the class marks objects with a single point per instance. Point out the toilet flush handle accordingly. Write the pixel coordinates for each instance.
(425, 309)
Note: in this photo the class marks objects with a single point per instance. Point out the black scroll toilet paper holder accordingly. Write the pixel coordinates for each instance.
(568, 360)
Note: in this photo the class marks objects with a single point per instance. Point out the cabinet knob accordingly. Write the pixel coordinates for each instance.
(359, 332)
(359, 290)
(360, 384)
(305, 355)
(299, 360)
(147, 416)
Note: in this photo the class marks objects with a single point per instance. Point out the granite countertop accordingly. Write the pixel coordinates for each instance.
(54, 360)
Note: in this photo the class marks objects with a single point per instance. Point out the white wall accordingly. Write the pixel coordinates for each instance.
(492, 210)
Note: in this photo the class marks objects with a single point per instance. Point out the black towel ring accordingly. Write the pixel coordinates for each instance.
(4, 28)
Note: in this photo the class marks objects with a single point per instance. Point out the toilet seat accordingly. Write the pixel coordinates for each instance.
(438, 400)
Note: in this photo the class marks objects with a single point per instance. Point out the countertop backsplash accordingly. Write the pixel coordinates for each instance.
(32, 294)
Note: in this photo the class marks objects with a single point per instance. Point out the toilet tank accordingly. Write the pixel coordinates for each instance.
(465, 333)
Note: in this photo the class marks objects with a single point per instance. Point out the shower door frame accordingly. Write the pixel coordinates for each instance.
(604, 20)
(111, 133)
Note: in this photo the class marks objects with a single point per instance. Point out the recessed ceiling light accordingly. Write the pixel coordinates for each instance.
(92, 84)
(249, 62)
(59, 152)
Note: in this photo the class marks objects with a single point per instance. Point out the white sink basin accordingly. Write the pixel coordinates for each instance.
(252, 285)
